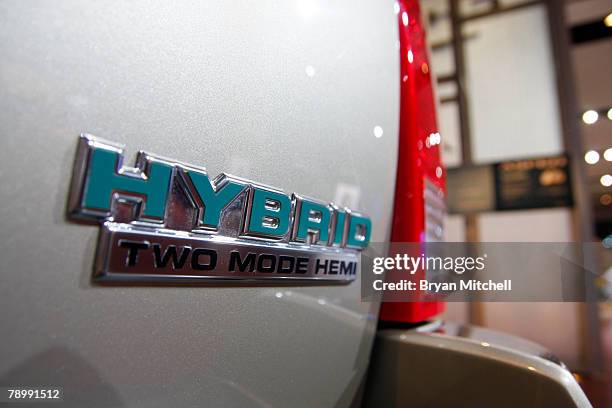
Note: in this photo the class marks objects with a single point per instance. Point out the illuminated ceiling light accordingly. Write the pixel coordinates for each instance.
(608, 20)
(410, 56)
(608, 154)
(405, 19)
(307, 8)
(591, 157)
(378, 132)
(606, 180)
(589, 117)
(605, 199)
(610, 114)
(310, 71)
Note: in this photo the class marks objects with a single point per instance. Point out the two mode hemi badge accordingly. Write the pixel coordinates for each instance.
(168, 221)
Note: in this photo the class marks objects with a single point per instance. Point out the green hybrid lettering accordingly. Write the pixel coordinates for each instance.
(360, 231)
(103, 179)
(214, 200)
(313, 217)
(270, 213)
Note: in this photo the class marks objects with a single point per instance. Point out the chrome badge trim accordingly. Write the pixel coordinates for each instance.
(167, 221)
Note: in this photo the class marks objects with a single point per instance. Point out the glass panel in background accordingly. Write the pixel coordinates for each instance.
(447, 90)
(442, 61)
(558, 324)
(448, 118)
(511, 86)
(438, 21)
(439, 37)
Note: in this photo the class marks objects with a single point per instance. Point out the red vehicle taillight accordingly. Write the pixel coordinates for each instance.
(420, 187)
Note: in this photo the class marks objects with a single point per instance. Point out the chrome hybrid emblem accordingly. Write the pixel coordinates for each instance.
(168, 221)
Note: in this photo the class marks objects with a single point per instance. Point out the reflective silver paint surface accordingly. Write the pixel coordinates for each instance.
(287, 93)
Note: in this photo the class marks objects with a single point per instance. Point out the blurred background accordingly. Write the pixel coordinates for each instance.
(525, 112)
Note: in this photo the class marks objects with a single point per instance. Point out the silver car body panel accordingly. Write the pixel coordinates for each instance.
(283, 92)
